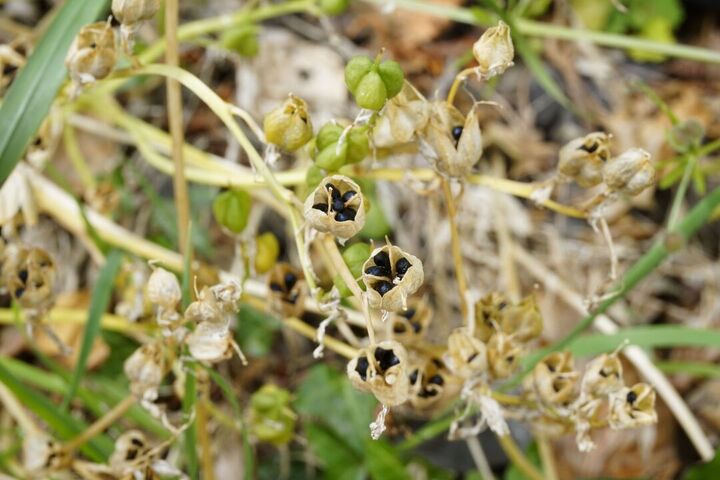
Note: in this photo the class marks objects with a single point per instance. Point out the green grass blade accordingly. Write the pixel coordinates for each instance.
(696, 369)
(29, 98)
(190, 438)
(98, 305)
(650, 336)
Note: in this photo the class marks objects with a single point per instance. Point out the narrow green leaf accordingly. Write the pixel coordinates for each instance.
(190, 437)
(31, 94)
(651, 336)
(98, 305)
(341, 462)
(697, 369)
(383, 461)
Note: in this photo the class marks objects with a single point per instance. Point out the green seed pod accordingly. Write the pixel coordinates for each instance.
(289, 126)
(242, 40)
(331, 155)
(314, 176)
(341, 286)
(271, 419)
(333, 7)
(232, 209)
(267, 250)
(355, 256)
(373, 83)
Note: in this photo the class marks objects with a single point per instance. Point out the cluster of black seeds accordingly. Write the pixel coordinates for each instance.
(386, 358)
(289, 281)
(433, 383)
(382, 268)
(337, 204)
(400, 328)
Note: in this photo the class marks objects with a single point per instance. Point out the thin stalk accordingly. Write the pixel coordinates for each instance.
(459, 78)
(517, 457)
(101, 424)
(478, 456)
(457, 253)
(175, 120)
(681, 191)
(76, 157)
(60, 315)
(547, 457)
(201, 422)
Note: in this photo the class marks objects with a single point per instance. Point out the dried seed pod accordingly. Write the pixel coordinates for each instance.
(466, 356)
(488, 315)
(382, 370)
(411, 324)
(289, 126)
(145, 369)
(583, 159)
(43, 454)
(391, 275)
(129, 446)
(630, 173)
(339, 145)
(287, 290)
(163, 289)
(205, 309)
(336, 206)
(431, 384)
(228, 296)
(504, 354)
(603, 375)
(210, 342)
(131, 12)
(632, 407)
(451, 142)
(494, 51)
(554, 379)
(92, 54)
(523, 321)
(29, 275)
(404, 115)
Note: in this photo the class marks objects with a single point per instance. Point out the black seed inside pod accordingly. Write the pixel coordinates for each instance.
(590, 148)
(361, 367)
(427, 393)
(386, 358)
(409, 313)
(456, 133)
(337, 204)
(416, 326)
(131, 454)
(345, 215)
(402, 266)
(383, 287)
(334, 192)
(414, 376)
(382, 259)
(378, 271)
(23, 275)
(472, 357)
(275, 287)
(436, 379)
(19, 292)
(603, 373)
(399, 328)
(290, 280)
(137, 442)
(323, 207)
(348, 195)
(631, 397)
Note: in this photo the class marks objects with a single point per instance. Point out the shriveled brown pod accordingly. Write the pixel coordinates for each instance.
(488, 314)
(452, 142)
(523, 320)
(632, 407)
(130, 13)
(504, 354)
(391, 276)
(29, 276)
(629, 173)
(431, 384)
(466, 356)
(583, 159)
(382, 370)
(336, 206)
(287, 290)
(92, 55)
(411, 324)
(404, 115)
(603, 375)
(554, 379)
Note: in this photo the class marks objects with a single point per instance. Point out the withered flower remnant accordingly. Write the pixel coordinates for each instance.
(504, 354)
(450, 141)
(336, 206)
(522, 320)
(629, 173)
(405, 115)
(494, 51)
(466, 356)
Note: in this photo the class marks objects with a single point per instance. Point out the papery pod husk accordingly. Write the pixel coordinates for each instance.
(163, 288)
(395, 300)
(494, 51)
(488, 315)
(326, 222)
(629, 173)
(284, 300)
(432, 386)
(29, 274)
(129, 446)
(145, 369)
(129, 12)
(523, 320)
(410, 325)
(210, 342)
(466, 355)
(289, 126)
(583, 159)
(205, 309)
(632, 407)
(41, 453)
(386, 378)
(452, 158)
(504, 354)
(603, 375)
(403, 117)
(92, 54)
(554, 379)
(227, 294)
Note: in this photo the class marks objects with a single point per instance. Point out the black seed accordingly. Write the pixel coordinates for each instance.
(137, 442)
(590, 148)
(409, 313)
(275, 287)
(386, 358)
(471, 357)
(361, 367)
(290, 280)
(337, 204)
(427, 393)
(413, 376)
(399, 328)
(345, 215)
(19, 292)
(457, 132)
(603, 373)
(510, 358)
(402, 266)
(378, 271)
(323, 207)
(23, 275)
(416, 326)
(551, 368)
(437, 380)
(631, 397)
(348, 195)
(382, 259)
(383, 287)
(334, 192)
(502, 305)
(131, 454)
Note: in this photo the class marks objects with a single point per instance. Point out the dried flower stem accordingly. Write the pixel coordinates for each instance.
(59, 315)
(76, 158)
(457, 252)
(478, 456)
(547, 457)
(518, 458)
(101, 424)
(459, 78)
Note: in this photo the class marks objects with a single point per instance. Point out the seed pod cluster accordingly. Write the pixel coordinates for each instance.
(391, 276)
(339, 145)
(92, 54)
(289, 126)
(287, 290)
(29, 275)
(451, 141)
(271, 419)
(336, 206)
(383, 370)
(372, 83)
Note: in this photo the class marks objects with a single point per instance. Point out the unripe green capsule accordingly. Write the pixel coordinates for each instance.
(355, 70)
(331, 156)
(289, 126)
(232, 209)
(355, 256)
(242, 40)
(267, 250)
(333, 7)
(373, 83)
(392, 76)
(314, 176)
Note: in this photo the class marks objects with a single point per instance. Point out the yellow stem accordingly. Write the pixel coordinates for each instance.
(459, 78)
(76, 316)
(546, 456)
(456, 251)
(101, 424)
(518, 458)
(330, 343)
(76, 157)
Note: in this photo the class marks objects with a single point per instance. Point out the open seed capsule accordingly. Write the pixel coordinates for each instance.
(632, 407)
(554, 379)
(287, 290)
(523, 320)
(504, 354)
(129, 446)
(603, 375)
(332, 208)
(452, 151)
(583, 159)
(402, 276)
(466, 356)
(29, 276)
(382, 370)
(432, 385)
(92, 54)
(411, 324)
(488, 315)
